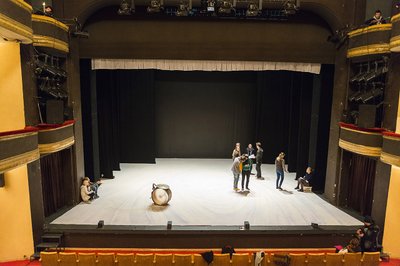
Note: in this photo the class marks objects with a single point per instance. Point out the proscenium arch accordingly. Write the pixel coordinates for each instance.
(92, 6)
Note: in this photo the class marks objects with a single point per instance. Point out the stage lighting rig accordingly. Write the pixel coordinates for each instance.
(126, 9)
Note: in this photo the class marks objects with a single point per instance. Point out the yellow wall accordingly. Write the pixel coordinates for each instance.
(16, 240)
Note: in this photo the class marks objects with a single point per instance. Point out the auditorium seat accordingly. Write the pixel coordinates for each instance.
(105, 259)
(297, 259)
(198, 260)
(144, 259)
(370, 259)
(49, 258)
(87, 259)
(123, 259)
(334, 259)
(352, 259)
(182, 259)
(163, 259)
(241, 259)
(67, 259)
(315, 259)
(221, 260)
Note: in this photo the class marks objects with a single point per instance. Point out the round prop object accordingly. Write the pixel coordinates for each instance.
(161, 194)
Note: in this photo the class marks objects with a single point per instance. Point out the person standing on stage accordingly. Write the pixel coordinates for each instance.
(259, 156)
(236, 171)
(236, 151)
(250, 150)
(250, 153)
(280, 169)
(246, 170)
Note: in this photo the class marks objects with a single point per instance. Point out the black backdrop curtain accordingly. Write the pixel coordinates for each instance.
(202, 115)
(361, 183)
(125, 107)
(144, 114)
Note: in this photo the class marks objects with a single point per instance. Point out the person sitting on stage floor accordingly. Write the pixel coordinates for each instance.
(376, 19)
(305, 180)
(89, 190)
(246, 170)
(236, 169)
(259, 156)
(236, 151)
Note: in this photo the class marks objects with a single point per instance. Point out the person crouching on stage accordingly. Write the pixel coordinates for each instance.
(280, 169)
(236, 169)
(236, 151)
(246, 170)
(305, 180)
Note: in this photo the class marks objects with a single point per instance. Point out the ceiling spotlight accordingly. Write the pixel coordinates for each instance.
(154, 7)
(226, 8)
(183, 10)
(252, 10)
(126, 9)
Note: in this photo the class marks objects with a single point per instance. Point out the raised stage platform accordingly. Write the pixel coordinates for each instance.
(204, 210)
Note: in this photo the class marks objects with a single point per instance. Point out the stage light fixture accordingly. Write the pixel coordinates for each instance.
(126, 9)
(183, 9)
(291, 7)
(314, 225)
(246, 225)
(100, 224)
(226, 8)
(155, 6)
(169, 225)
(252, 10)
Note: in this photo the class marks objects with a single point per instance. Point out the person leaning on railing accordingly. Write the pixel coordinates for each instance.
(376, 19)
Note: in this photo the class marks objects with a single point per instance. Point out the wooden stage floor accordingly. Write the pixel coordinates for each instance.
(202, 196)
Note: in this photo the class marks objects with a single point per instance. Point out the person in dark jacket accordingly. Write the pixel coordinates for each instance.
(259, 156)
(246, 170)
(376, 19)
(369, 235)
(305, 180)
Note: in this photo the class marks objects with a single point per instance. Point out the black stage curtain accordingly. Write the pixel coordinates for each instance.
(361, 184)
(283, 116)
(125, 107)
(54, 168)
(203, 114)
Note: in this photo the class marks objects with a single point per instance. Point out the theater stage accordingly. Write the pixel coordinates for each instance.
(204, 210)
(202, 195)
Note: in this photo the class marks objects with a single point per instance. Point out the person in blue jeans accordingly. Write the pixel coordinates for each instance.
(280, 170)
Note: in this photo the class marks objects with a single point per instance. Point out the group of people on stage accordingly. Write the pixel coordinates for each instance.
(243, 164)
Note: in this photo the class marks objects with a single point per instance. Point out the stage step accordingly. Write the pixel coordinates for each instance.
(52, 237)
(42, 246)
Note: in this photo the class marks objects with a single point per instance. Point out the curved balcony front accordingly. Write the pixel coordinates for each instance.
(369, 42)
(362, 141)
(49, 33)
(15, 21)
(391, 149)
(54, 138)
(18, 148)
(395, 39)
